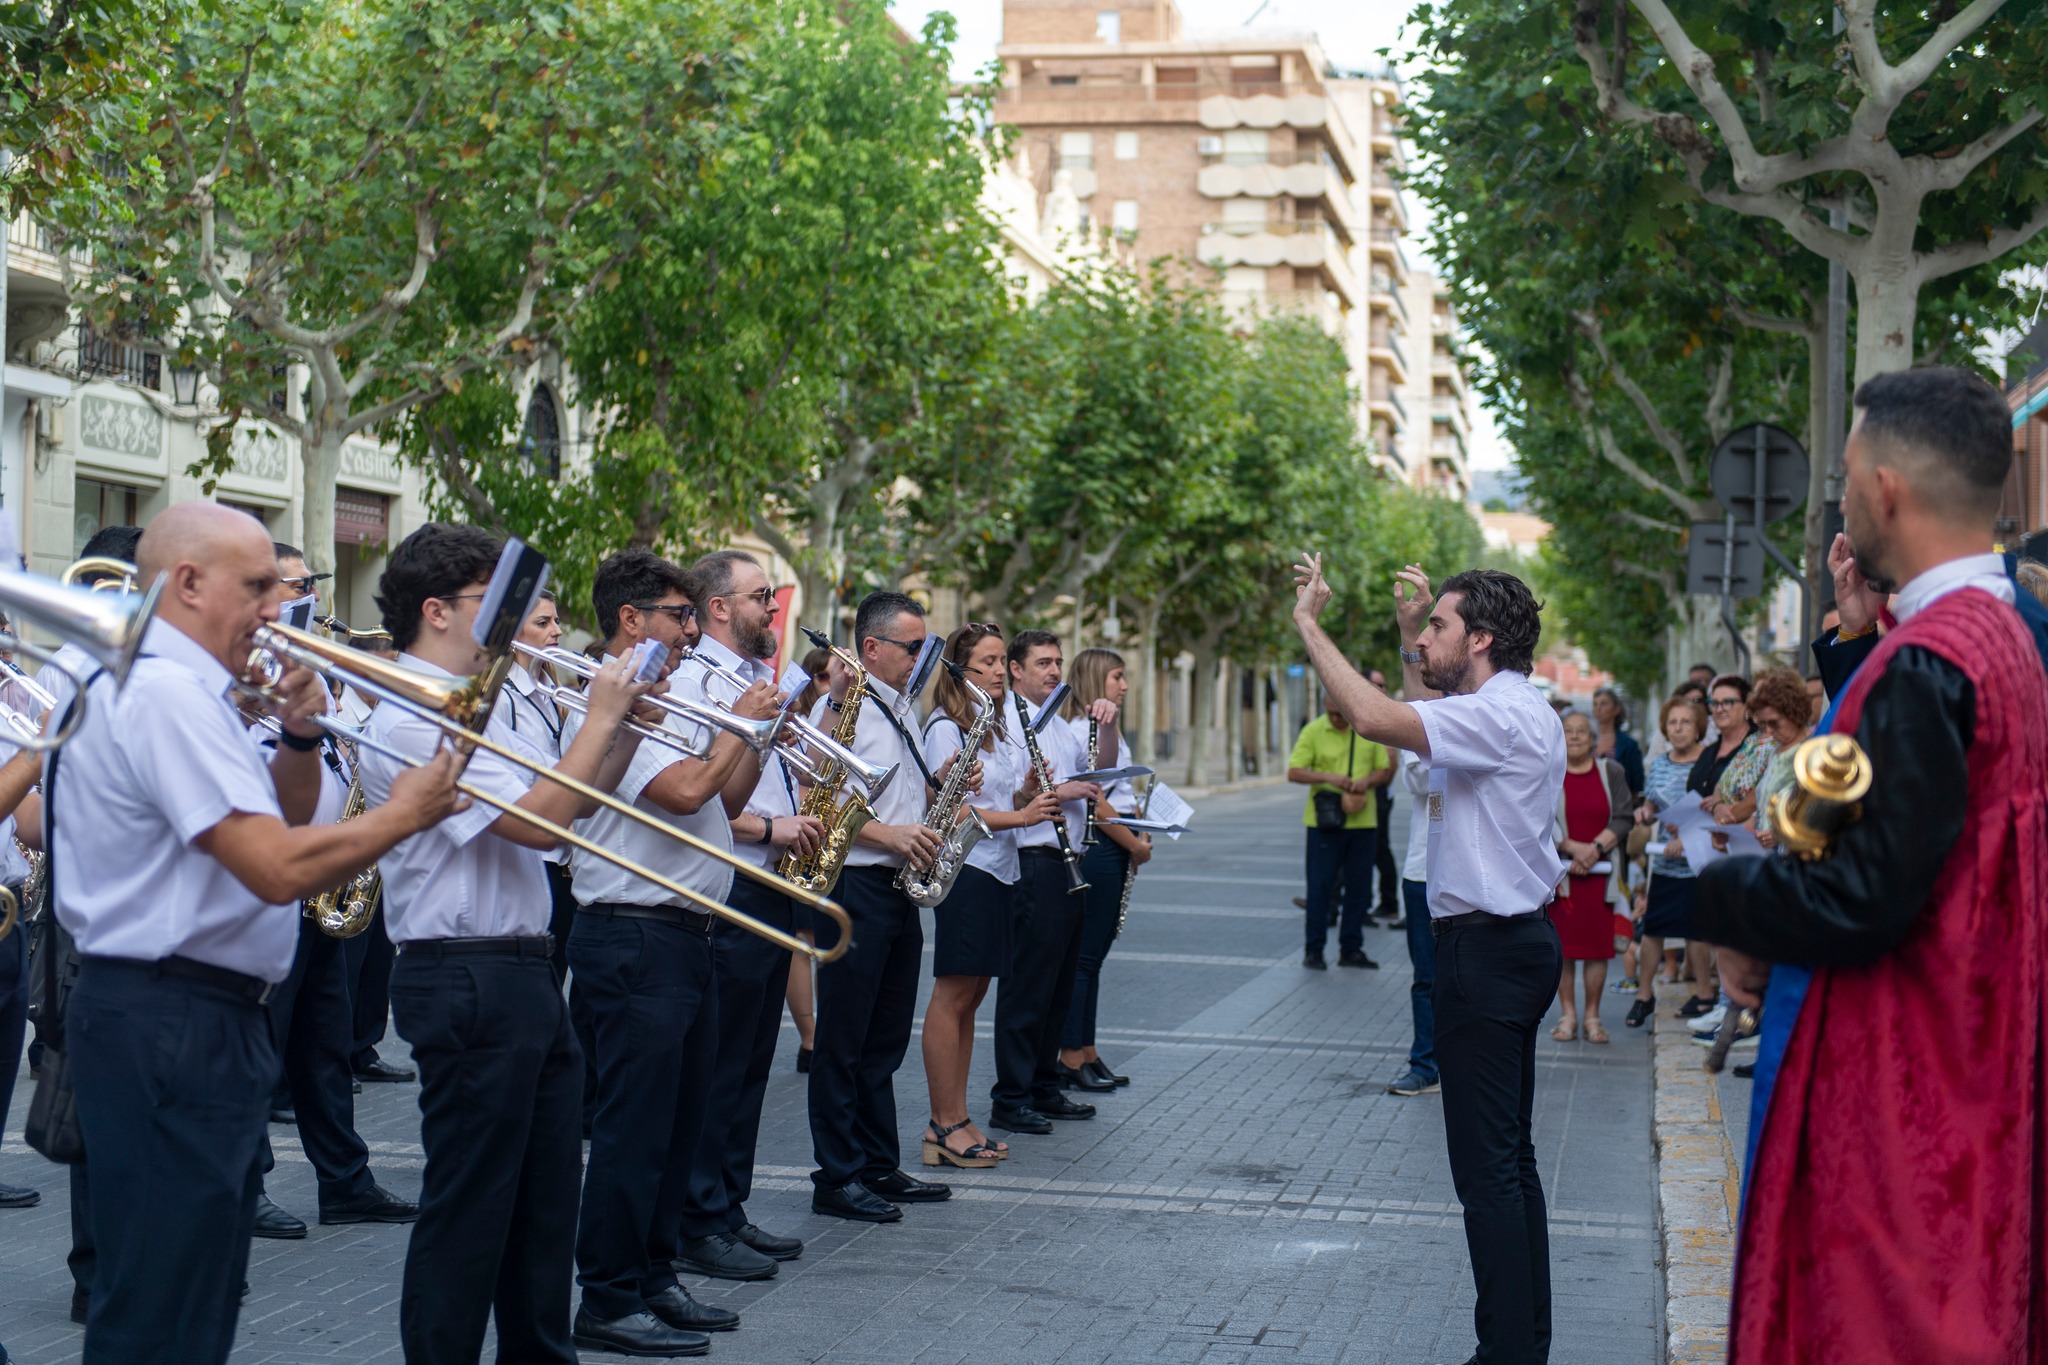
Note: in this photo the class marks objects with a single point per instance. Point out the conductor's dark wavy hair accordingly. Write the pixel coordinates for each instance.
(1501, 605)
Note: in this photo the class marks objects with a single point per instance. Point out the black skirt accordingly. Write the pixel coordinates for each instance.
(973, 937)
(1669, 914)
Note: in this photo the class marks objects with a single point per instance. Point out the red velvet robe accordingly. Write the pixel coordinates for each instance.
(1898, 1206)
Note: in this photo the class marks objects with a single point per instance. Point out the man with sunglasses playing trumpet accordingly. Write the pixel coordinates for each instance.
(466, 903)
(736, 610)
(179, 857)
(643, 961)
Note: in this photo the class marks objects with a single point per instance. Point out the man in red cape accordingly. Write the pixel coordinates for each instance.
(1897, 1208)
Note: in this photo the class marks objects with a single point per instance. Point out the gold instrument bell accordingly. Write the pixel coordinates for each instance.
(1830, 777)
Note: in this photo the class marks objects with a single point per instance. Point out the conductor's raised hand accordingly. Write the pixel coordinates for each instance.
(1412, 601)
(1311, 590)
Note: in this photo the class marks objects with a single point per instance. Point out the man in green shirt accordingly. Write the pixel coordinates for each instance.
(1340, 769)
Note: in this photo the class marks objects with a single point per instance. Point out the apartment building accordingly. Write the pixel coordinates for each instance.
(1250, 157)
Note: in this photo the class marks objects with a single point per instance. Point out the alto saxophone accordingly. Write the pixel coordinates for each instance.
(347, 910)
(957, 836)
(833, 800)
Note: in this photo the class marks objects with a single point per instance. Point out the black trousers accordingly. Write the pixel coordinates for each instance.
(312, 1026)
(649, 986)
(173, 1080)
(1034, 994)
(1103, 866)
(13, 1011)
(367, 964)
(1493, 983)
(750, 974)
(499, 1083)
(561, 921)
(866, 1002)
(1339, 858)
(1391, 897)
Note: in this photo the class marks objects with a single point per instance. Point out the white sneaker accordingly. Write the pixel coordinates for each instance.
(1709, 1024)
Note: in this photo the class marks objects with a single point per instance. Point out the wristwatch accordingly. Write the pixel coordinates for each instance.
(1411, 656)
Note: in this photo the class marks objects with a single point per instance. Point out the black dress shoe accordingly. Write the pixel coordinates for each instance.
(381, 1070)
(272, 1221)
(722, 1256)
(768, 1244)
(856, 1201)
(355, 1087)
(636, 1334)
(1100, 1070)
(1081, 1078)
(19, 1197)
(1314, 961)
(903, 1188)
(1057, 1106)
(374, 1205)
(290, 1116)
(1023, 1119)
(81, 1304)
(675, 1307)
(1355, 957)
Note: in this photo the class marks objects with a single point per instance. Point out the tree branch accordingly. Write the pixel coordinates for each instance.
(1945, 173)
(1600, 440)
(1749, 317)
(1964, 256)
(1897, 82)
(1589, 327)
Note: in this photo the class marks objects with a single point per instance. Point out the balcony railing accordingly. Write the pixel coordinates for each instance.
(1034, 89)
(25, 233)
(104, 357)
(1074, 161)
(1317, 156)
(1299, 227)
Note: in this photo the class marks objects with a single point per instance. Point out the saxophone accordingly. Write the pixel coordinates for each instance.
(957, 836)
(833, 799)
(346, 911)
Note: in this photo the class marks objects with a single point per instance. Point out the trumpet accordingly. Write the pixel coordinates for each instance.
(459, 707)
(758, 734)
(873, 777)
(107, 627)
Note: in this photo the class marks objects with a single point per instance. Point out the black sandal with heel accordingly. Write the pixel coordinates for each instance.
(1639, 1011)
(937, 1153)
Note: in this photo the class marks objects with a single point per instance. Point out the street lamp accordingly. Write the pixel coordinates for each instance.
(184, 386)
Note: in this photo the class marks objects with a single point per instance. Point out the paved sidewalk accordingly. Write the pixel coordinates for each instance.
(1254, 1195)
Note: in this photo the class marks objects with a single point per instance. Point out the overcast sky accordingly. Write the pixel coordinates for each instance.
(1353, 33)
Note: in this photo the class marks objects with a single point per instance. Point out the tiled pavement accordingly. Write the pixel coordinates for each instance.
(1253, 1196)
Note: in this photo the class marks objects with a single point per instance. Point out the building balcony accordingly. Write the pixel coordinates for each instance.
(1268, 181)
(1384, 346)
(1383, 402)
(1447, 411)
(1123, 96)
(1386, 293)
(1304, 245)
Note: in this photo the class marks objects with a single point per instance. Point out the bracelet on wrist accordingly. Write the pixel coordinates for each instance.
(767, 830)
(298, 744)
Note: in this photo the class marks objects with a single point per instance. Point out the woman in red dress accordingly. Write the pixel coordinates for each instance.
(1593, 819)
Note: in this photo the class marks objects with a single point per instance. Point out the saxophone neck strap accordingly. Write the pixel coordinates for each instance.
(916, 753)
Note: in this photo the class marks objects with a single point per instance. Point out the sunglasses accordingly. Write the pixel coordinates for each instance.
(681, 613)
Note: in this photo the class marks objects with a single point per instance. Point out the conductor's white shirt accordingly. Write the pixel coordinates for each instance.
(594, 880)
(455, 880)
(902, 802)
(1496, 765)
(156, 764)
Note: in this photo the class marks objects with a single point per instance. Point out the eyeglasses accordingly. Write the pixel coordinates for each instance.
(1722, 703)
(304, 583)
(985, 627)
(460, 596)
(764, 596)
(681, 613)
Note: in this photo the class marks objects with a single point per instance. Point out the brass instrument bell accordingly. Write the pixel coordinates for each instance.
(1830, 777)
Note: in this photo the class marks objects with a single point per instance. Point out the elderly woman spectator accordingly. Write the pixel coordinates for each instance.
(1782, 708)
(1665, 904)
(1610, 714)
(1592, 821)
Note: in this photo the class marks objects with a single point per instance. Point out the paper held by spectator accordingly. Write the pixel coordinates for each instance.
(1696, 830)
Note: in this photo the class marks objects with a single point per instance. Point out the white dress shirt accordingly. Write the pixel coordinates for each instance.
(157, 763)
(902, 802)
(1986, 571)
(538, 722)
(1121, 795)
(1414, 773)
(1496, 764)
(1002, 772)
(594, 880)
(1066, 755)
(354, 707)
(455, 880)
(774, 796)
(57, 680)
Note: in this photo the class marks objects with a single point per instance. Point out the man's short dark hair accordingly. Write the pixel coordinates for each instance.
(284, 551)
(1028, 640)
(1948, 430)
(1707, 669)
(438, 560)
(712, 575)
(633, 578)
(110, 542)
(879, 610)
(1501, 605)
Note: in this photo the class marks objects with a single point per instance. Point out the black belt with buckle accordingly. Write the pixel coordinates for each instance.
(524, 945)
(254, 989)
(1482, 919)
(698, 921)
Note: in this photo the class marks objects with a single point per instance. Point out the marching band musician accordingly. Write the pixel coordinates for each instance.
(1098, 675)
(19, 773)
(181, 858)
(867, 999)
(972, 924)
(313, 1027)
(736, 611)
(467, 906)
(1046, 939)
(643, 959)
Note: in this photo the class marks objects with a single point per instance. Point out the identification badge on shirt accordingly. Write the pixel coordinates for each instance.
(1437, 778)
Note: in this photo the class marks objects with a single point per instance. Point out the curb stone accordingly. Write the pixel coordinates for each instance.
(1698, 1189)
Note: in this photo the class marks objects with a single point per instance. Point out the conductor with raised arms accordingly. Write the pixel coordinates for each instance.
(180, 855)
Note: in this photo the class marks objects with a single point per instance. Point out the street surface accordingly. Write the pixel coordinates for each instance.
(1254, 1195)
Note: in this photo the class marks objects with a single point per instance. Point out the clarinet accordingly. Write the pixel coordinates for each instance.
(1088, 836)
(1075, 885)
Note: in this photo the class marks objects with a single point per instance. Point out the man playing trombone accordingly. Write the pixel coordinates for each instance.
(643, 964)
(180, 857)
(466, 903)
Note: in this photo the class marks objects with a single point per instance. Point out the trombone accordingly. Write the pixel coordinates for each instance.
(116, 575)
(758, 734)
(458, 707)
(873, 777)
(106, 626)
